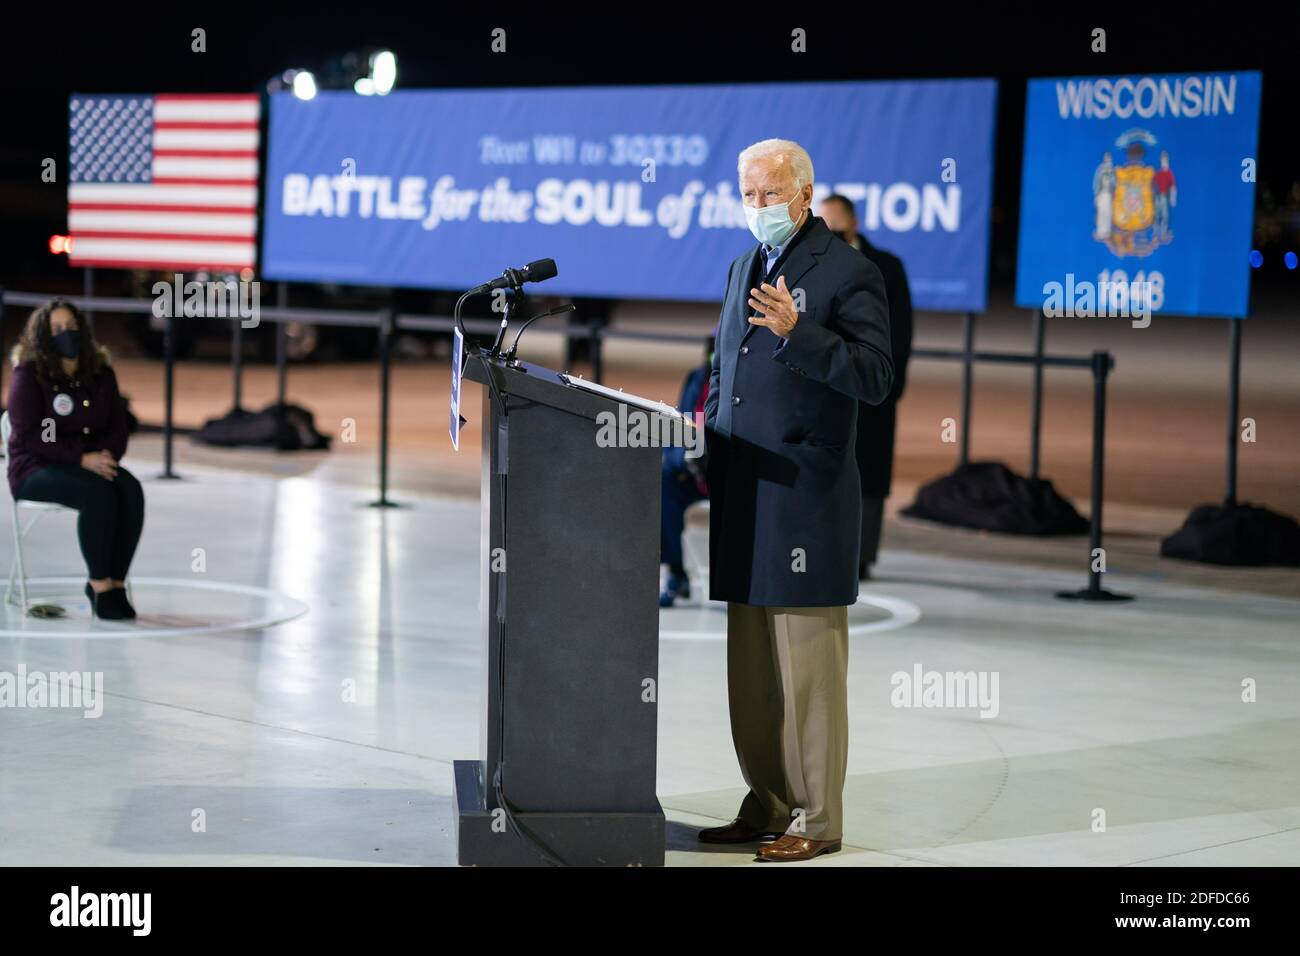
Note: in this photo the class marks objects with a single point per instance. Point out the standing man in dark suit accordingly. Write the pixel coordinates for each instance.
(876, 423)
(803, 338)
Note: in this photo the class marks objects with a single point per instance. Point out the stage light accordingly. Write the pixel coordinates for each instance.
(1290, 260)
(382, 65)
(1256, 258)
(383, 71)
(304, 85)
(60, 245)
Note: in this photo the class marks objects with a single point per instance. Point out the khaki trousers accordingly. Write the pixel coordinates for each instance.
(787, 690)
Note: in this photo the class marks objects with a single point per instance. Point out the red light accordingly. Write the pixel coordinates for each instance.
(60, 244)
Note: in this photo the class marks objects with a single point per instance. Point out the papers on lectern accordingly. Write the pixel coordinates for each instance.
(645, 404)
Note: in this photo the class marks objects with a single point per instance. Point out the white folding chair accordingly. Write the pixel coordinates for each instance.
(700, 563)
(41, 508)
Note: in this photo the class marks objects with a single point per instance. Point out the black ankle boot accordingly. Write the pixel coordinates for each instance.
(126, 604)
(110, 605)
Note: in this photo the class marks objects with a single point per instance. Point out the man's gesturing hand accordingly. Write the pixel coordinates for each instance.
(777, 308)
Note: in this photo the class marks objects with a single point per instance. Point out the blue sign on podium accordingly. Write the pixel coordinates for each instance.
(457, 363)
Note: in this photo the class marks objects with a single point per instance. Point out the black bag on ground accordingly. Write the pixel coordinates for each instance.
(1239, 534)
(989, 496)
(282, 427)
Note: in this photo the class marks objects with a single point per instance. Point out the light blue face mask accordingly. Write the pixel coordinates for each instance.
(771, 224)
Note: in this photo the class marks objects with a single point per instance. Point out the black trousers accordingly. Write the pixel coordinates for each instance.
(110, 513)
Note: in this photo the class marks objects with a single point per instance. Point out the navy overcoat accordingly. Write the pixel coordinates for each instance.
(781, 417)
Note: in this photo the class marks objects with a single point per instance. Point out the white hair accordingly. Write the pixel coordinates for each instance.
(788, 150)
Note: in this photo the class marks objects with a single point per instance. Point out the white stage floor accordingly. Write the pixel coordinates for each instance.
(329, 739)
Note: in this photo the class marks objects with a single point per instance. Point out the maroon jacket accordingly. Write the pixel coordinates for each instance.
(91, 417)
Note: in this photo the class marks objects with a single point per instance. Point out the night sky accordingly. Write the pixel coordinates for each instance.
(66, 50)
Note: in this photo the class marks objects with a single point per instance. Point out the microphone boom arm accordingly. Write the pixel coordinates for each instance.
(558, 310)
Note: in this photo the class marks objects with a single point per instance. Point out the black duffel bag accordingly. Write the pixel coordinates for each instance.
(282, 427)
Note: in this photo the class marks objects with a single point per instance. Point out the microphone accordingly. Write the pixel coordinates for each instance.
(558, 310)
(538, 271)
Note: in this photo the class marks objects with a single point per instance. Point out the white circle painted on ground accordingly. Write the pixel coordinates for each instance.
(901, 614)
(255, 608)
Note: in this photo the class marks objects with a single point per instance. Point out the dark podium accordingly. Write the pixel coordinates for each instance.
(570, 625)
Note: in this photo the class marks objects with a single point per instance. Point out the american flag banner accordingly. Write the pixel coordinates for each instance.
(163, 181)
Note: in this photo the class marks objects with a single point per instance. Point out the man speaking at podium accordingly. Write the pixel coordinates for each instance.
(802, 338)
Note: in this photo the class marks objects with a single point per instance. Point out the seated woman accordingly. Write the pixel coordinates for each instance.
(69, 430)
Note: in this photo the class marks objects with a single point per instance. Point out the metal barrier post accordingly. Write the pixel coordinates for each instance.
(1101, 366)
(237, 361)
(281, 348)
(1036, 399)
(1234, 409)
(169, 390)
(88, 290)
(387, 329)
(967, 366)
(597, 353)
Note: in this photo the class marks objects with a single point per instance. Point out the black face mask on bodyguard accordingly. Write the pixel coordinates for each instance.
(67, 344)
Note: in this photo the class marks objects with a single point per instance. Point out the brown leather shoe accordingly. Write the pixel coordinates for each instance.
(789, 848)
(737, 831)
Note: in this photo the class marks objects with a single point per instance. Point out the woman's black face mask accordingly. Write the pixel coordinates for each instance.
(68, 343)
